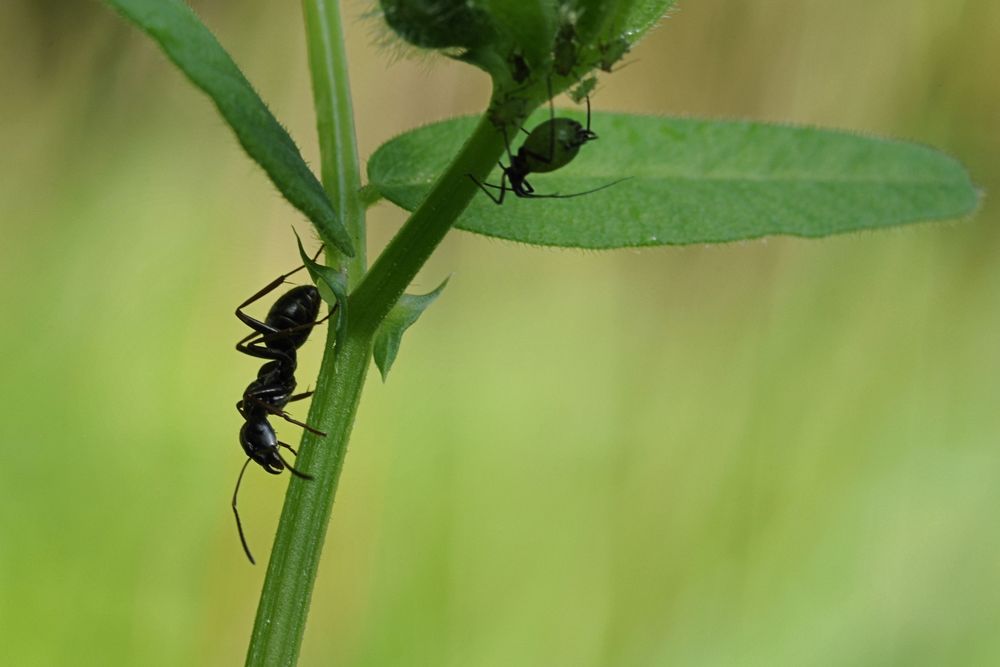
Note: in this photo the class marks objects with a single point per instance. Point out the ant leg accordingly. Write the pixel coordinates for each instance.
(299, 397)
(236, 512)
(503, 178)
(502, 187)
(506, 145)
(262, 397)
(278, 412)
(291, 469)
(256, 324)
(279, 333)
(489, 185)
(255, 349)
(288, 447)
(252, 346)
(577, 194)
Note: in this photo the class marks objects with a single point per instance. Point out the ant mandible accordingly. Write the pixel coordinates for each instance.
(563, 137)
(285, 329)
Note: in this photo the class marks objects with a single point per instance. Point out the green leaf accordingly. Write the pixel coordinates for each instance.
(390, 332)
(193, 48)
(640, 16)
(694, 181)
(332, 285)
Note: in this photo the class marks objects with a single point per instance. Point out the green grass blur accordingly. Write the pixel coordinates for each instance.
(770, 453)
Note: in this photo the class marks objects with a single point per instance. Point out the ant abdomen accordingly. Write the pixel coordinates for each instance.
(569, 136)
(293, 314)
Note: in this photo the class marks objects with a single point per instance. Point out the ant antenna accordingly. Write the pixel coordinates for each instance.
(275, 283)
(239, 524)
(591, 135)
(559, 196)
(552, 119)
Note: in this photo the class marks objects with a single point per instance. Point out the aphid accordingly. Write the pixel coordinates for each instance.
(285, 329)
(505, 110)
(611, 52)
(583, 91)
(550, 146)
(565, 50)
(519, 70)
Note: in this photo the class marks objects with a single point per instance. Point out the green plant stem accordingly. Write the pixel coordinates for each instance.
(291, 573)
(399, 263)
(341, 170)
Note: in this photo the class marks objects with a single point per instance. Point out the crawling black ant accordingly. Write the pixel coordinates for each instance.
(285, 329)
(550, 146)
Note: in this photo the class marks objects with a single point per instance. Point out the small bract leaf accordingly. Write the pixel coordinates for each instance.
(693, 181)
(332, 285)
(390, 332)
(194, 49)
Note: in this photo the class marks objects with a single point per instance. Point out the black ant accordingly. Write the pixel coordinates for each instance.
(285, 329)
(563, 137)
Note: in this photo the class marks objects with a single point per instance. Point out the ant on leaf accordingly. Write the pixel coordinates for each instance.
(550, 146)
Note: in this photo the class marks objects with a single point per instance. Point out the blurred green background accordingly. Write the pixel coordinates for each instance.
(771, 453)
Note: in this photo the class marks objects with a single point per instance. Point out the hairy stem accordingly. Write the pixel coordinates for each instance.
(341, 171)
(397, 265)
(291, 573)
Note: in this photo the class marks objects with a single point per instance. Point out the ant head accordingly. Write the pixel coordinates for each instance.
(260, 443)
(583, 135)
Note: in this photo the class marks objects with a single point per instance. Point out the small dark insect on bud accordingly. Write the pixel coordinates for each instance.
(611, 52)
(565, 50)
(519, 70)
(583, 91)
